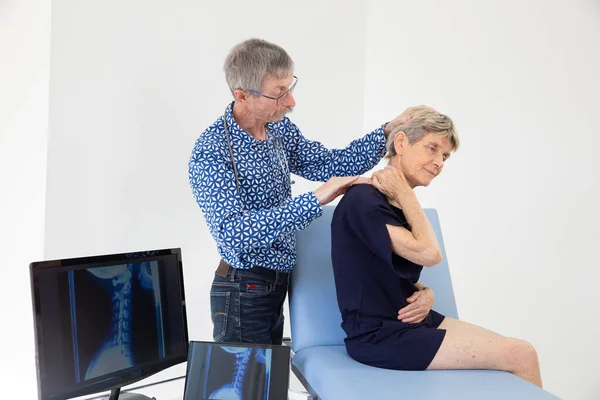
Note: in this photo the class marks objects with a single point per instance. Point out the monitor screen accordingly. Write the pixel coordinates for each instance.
(237, 371)
(102, 322)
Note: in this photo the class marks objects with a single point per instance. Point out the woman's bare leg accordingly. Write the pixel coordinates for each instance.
(467, 346)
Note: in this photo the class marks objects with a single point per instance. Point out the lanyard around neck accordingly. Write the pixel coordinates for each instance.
(282, 164)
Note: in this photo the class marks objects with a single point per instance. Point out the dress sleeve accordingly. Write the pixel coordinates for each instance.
(367, 213)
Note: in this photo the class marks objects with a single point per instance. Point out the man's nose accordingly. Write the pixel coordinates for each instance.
(289, 101)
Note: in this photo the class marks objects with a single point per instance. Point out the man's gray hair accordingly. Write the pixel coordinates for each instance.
(250, 62)
(424, 120)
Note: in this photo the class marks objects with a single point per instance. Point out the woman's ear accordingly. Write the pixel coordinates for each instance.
(399, 142)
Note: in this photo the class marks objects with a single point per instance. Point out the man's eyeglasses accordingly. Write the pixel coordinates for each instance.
(280, 99)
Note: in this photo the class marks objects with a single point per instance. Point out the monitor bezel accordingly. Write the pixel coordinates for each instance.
(118, 378)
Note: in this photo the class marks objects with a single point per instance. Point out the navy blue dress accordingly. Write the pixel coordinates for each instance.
(373, 283)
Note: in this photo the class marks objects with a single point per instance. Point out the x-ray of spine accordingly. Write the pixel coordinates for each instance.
(115, 352)
(234, 390)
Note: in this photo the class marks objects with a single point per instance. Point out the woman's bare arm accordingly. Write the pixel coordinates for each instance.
(418, 245)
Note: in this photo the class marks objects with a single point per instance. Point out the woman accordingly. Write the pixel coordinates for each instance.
(381, 239)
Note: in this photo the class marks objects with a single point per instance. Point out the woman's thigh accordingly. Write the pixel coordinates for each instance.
(468, 346)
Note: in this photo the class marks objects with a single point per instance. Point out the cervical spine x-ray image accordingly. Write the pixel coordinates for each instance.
(237, 373)
(116, 318)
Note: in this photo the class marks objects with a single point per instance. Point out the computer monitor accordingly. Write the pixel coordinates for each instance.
(233, 371)
(102, 322)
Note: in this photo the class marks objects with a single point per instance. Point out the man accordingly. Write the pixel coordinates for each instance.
(239, 172)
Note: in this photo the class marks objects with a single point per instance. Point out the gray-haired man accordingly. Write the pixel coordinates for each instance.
(239, 172)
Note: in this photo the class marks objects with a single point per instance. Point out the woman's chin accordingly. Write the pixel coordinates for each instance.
(424, 182)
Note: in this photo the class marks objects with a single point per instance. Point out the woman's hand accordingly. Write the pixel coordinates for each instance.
(391, 182)
(420, 304)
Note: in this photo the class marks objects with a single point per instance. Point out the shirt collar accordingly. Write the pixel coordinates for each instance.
(240, 136)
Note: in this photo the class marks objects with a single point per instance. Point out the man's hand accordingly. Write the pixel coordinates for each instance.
(400, 119)
(420, 304)
(391, 182)
(337, 186)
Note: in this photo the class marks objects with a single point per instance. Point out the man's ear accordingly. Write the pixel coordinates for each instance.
(240, 95)
(399, 142)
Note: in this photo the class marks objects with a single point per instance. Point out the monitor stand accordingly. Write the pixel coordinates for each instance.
(116, 394)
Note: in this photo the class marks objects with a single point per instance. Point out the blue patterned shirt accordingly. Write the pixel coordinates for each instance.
(257, 225)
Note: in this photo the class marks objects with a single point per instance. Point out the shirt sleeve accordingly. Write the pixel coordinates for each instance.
(313, 161)
(214, 189)
(367, 213)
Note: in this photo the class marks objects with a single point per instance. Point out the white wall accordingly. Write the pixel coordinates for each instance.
(24, 73)
(518, 201)
(134, 83)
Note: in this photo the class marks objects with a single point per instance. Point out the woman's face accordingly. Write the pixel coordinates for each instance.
(422, 161)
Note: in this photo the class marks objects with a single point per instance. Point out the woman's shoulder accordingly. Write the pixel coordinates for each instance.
(361, 197)
(364, 192)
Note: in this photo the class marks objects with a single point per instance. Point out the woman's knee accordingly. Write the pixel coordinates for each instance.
(521, 354)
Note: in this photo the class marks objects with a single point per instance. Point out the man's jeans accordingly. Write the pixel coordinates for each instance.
(247, 305)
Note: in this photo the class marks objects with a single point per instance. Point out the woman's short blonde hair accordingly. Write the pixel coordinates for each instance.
(424, 120)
